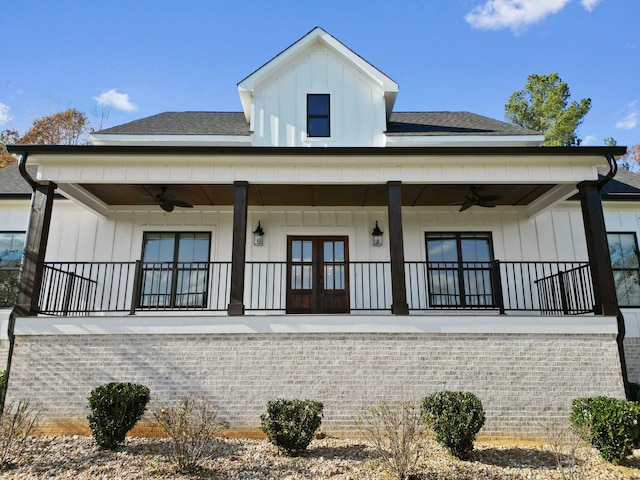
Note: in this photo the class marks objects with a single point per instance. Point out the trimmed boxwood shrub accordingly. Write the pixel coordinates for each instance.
(456, 418)
(291, 424)
(611, 425)
(115, 409)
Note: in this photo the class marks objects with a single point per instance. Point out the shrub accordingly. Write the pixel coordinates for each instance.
(291, 424)
(395, 432)
(191, 424)
(609, 424)
(456, 419)
(17, 422)
(115, 409)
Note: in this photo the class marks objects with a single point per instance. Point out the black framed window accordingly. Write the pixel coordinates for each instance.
(623, 250)
(460, 269)
(175, 269)
(11, 248)
(318, 115)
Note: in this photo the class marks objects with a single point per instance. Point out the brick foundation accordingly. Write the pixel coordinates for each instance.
(524, 380)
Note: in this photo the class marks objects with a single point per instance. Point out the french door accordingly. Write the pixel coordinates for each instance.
(317, 274)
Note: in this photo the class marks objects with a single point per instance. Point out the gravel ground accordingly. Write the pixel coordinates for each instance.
(78, 458)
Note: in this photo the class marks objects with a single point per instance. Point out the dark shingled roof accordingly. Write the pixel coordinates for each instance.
(11, 182)
(450, 123)
(184, 123)
(401, 124)
(624, 183)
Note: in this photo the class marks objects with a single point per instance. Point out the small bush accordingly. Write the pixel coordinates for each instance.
(609, 424)
(291, 424)
(191, 424)
(456, 419)
(115, 409)
(396, 433)
(16, 424)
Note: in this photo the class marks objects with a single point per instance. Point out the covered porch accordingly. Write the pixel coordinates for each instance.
(288, 279)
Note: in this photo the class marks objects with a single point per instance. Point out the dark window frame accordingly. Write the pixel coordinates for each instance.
(175, 271)
(628, 271)
(10, 271)
(311, 115)
(463, 270)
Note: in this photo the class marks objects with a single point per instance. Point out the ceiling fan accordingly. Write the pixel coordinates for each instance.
(474, 198)
(168, 201)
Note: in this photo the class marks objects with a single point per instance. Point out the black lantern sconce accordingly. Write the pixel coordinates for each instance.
(258, 236)
(377, 236)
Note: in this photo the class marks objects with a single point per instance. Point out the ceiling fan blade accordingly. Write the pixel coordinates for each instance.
(166, 206)
(490, 198)
(467, 204)
(487, 204)
(180, 203)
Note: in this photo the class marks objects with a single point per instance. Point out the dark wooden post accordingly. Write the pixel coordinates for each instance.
(396, 249)
(604, 288)
(606, 301)
(236, 296)
(34, 251)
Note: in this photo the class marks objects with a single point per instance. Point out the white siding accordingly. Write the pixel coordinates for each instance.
(280, 99)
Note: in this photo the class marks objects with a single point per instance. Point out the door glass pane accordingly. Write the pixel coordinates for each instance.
(307, 251)
(475, 249)
(296, 251)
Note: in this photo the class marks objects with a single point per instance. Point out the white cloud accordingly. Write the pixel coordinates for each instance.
(630, 120)
(589, 140)
(589, 5)
(113, 98)
(4, 114)
(517, 14)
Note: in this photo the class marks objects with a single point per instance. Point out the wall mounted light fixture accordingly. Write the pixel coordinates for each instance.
(377, 236)
(258, 236)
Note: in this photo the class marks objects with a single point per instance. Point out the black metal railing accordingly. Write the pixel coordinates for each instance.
(81, 288)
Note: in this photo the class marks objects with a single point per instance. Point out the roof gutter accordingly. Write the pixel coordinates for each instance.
(613, 169)
(22, 167)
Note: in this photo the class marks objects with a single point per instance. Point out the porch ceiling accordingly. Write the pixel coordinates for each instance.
(314, 195)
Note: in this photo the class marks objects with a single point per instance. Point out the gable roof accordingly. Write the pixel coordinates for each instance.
(184, 123)
(316, 35)
(400, 124)
(450, 123)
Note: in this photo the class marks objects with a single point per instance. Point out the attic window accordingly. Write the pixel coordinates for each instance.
(318, 124)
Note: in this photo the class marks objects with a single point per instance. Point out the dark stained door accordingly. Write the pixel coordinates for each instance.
(317, 274)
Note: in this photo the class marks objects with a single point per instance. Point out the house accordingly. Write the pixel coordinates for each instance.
(318, 244)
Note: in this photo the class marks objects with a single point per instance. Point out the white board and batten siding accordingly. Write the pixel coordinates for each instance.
(357, 105)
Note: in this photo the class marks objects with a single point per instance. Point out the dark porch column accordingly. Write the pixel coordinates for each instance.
(606, 301)
(396, 249)
(604, 289)
(35, 249)
(236, 297)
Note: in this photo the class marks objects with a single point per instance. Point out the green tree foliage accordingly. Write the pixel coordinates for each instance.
(69, 127)
(543, 105)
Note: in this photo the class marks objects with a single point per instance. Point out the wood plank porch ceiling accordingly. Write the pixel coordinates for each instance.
(315, 195)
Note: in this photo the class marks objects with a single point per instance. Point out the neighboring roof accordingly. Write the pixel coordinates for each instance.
(401, 124)
(184, 123)
(624, 186)
(450, 123)
(11, 182)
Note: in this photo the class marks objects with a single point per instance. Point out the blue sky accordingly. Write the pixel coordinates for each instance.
(142, 57)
